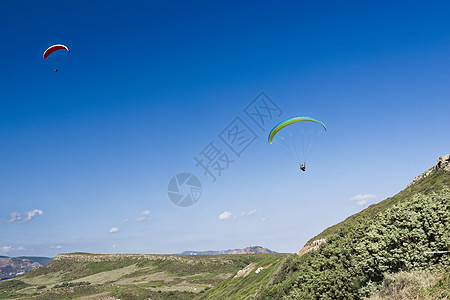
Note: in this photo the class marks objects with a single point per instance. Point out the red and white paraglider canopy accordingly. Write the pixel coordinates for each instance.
(54, 48)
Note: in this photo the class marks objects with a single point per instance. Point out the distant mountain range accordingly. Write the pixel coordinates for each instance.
(11, 267)
(248, 250)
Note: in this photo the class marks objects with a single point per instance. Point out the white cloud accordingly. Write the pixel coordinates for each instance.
(248, 213)
(145, 216)
(114, 229)
(6, 249)
(32, 214)
(56, 247)
(225, 215)
(362, 199)
(252, 212)
(17, 217)
(125, 220)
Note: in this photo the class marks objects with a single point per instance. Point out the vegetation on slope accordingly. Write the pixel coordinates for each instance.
(75, 275)
(357, 258)
(9, 288)
(434, 182)
(241, 287)
(423, 285)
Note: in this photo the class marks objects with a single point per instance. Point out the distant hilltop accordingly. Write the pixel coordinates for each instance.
(248, 250)
(251, 250)
(11, 267)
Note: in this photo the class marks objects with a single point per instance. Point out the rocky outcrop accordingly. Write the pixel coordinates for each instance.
(248, 269)
(443, 163)
(314, 245)
(245, 271)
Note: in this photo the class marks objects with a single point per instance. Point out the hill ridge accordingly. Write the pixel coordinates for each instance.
(441, 169)
(246, 250)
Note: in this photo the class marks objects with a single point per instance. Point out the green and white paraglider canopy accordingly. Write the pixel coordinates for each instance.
(297, 136)
(290, 121)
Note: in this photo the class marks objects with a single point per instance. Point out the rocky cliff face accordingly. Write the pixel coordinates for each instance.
(314, 245)
(11, 267)
(443, 163)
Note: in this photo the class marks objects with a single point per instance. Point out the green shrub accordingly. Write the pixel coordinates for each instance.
(356, 258)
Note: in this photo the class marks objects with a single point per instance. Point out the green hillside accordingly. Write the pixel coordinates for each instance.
(258, 276)
(74, 275)
(377, 249)
(434, 182)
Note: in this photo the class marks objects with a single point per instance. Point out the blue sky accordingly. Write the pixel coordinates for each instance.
(87, 153)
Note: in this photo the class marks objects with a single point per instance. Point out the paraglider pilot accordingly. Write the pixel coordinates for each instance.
(303, 167)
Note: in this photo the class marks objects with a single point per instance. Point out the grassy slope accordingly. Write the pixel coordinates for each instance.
(377, 240)
(434, 182)
(424, 285)
(242, 287)
(158, 277)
